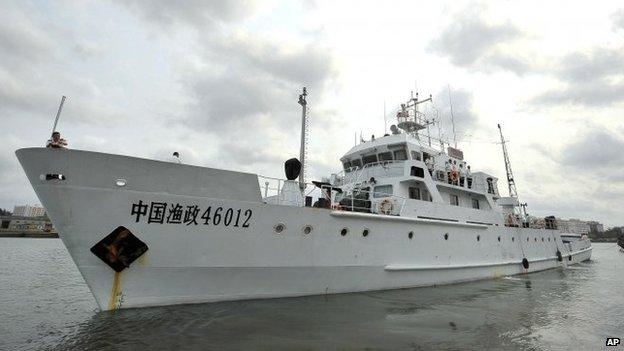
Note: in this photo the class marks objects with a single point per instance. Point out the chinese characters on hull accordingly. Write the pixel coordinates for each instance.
(174, 213)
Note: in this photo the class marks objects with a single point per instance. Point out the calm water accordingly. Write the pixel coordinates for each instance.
(44, 304)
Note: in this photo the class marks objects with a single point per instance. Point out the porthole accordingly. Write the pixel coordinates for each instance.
(569, 257)
(446, 236)
(542, 239)
(499, 239)
(478, 237)
(365, 232)
(279, 227)
(307, 229)
(344, 231)
(410, 235)
(535, 239)
(549, 239)
(513, 238)
(527, 240)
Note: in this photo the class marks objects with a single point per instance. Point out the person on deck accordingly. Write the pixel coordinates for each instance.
(56, 142)
(462, 174)
(454, 173)
(430, 164)
(468, 177)
(175, 158)
(448, 169)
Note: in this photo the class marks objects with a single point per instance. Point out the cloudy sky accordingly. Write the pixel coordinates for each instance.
(218, 81)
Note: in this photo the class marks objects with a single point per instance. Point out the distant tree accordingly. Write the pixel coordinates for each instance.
(4, 212)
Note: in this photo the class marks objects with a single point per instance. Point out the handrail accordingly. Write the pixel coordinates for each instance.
(400, 199)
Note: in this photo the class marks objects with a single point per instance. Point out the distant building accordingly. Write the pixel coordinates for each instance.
(573, 225)
(595, 227)
(28, 223)
(28, 211)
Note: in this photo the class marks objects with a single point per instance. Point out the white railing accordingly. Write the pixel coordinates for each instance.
(278, 191)
(375, 169)
(477, 184)
(384, 204)
(274, 191)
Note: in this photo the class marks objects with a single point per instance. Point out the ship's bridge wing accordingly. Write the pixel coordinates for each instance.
(396, 147)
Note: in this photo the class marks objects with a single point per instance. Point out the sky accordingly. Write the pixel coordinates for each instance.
(218, 81)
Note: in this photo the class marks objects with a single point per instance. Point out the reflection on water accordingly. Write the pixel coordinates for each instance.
(50, 307)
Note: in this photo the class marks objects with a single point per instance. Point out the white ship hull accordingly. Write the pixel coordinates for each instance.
(247, 259)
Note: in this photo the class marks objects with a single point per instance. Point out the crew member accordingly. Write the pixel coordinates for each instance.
(56, 142)
(448, 168)
(462, 174)
(430, 163)
(468, 177)
(175, 158)
(454, 172)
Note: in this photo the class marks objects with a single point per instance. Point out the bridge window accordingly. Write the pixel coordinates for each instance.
(382, 191)
(475, 204)
(385, 156)
(346, 165)
(417, 172)
(416, 156)
(454, 200)
(369, 159)
(400, 155)
(414, 193)
(356, 163)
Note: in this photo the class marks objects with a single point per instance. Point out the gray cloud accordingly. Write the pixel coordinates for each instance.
(618, 19)
(470, 41)
(587, 78)
(466, 120)
(592, 94)
(255, 78)
(598, 149)
(583, 67)
(193, 12)
(243, 83)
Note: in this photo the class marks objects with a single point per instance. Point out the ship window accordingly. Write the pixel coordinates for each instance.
(454, 200)
(347, 165)
(475, 204)
(356, 163)
(382, 191)
(414, 193)
(369, 159)
(417, 172)
(416, 156)
(385, 156)
(400, 155)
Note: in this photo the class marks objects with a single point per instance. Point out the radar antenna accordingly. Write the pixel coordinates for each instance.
(410, 119)
(510, 178)
(304, 138)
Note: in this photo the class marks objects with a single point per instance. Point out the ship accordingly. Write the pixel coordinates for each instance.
(404, 211)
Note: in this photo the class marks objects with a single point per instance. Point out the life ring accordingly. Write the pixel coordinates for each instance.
(386, 206)
(454, 176)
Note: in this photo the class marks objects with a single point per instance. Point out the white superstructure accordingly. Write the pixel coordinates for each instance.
(145, 232)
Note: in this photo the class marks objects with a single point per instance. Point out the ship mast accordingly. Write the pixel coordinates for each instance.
(510, 178)
(304, 137)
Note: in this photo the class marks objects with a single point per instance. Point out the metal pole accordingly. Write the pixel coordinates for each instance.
(452, 117)
(302, 155)
(58, 114)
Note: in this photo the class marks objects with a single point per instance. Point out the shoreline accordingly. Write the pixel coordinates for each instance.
(29, 234)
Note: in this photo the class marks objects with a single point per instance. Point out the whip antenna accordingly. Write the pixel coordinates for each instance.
(58, 114)
(304, 137)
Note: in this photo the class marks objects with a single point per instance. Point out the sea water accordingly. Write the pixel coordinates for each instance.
(45, 304)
